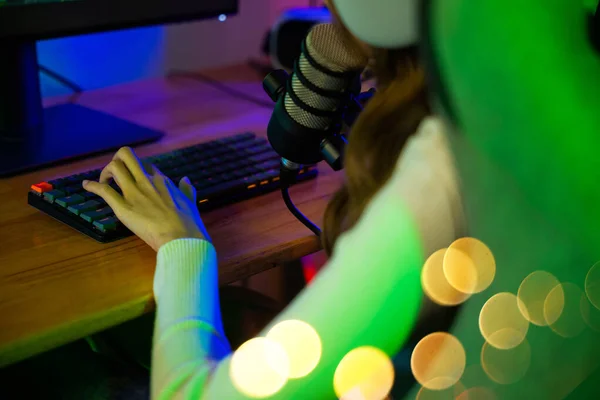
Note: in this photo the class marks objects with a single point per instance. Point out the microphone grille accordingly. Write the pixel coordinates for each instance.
(330, 46)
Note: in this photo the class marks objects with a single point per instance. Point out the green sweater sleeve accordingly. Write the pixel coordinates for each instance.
(368, 294)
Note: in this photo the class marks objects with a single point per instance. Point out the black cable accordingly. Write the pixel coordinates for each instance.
(60, 79)
(301, 217)
(222, 87)
(288, 176)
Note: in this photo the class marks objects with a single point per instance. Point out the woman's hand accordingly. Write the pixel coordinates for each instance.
(151, 206)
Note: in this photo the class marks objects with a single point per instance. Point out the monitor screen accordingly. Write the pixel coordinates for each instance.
(44, 19)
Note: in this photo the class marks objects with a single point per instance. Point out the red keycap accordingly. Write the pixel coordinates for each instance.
(42, 187)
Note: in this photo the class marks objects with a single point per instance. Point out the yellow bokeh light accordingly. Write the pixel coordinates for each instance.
(590, 314)
(501, 322)
(365, 373)
(532, 294)
(477, 393)
(301, 343)
(592, 285)
(474, 376)
(445, 394)
(469, 265)
(436, 286)
(554, 304)
(562, 310)
(438, 361)
(354, 394)
(259, 368)
(506, 366)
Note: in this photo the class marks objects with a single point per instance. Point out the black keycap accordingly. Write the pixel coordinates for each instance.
(239, 173)
(229, 157)
(107, 224)
(89, 205)
(258, 149)
(92, 175)
(178, 171)
(69, 190)
(70, 200)
(218, 151)
(201, 184)
(219, 169)
(267, 165)
(222, 190)
(251, 170)
(91, 216)
(226, 177)
(58, 183)
(89, 196)
(211, 162)
(52, 195)
(257, 142)
(201, 156)
(166, 165)
(261, 157)
(208, 172)
(188, 169)
(244, 162)
(211, 180)
(267, 176)
(217, 179)
(157, 159)
(203, 164)
(72, 180)
(195, 176)
(240, 145)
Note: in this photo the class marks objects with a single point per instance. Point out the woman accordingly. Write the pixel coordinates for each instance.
(399, 204)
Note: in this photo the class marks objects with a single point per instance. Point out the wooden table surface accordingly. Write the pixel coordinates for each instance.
(57, 285)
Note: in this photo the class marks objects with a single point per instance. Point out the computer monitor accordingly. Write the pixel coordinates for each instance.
(31, 136)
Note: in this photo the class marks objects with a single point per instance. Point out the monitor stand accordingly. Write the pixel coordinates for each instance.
(32, 137)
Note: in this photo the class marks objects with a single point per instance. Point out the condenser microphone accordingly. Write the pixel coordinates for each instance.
(310, 105)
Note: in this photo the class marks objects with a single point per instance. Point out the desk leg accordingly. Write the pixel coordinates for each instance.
(293, 280)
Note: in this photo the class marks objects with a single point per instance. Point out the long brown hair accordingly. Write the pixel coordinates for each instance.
(378, 136)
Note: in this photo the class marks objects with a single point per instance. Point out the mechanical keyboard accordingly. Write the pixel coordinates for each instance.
(223, 171)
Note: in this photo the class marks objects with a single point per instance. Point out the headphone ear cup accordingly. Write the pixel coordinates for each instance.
(381, 23)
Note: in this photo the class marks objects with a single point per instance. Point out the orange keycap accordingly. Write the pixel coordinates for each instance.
(42, 187)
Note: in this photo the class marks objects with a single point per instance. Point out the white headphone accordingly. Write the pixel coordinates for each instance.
(381, 23)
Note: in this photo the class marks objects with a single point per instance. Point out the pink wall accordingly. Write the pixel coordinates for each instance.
(207, 44)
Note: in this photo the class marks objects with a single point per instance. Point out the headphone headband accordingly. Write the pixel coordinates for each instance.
(381, 23)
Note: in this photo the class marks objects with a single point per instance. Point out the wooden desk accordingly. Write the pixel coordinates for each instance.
(57, 285)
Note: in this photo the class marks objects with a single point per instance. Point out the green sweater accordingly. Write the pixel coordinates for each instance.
(368, 294)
